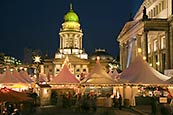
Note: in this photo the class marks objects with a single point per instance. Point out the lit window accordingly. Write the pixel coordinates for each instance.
(163, 42)
(149, 47)
(155, 45)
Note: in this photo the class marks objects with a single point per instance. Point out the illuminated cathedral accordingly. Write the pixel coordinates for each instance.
(71, 50)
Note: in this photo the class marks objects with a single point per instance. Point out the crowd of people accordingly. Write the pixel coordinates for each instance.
(86, 102)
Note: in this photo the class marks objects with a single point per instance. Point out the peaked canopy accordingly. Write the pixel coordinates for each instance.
(113, 74)
(64, 77)
(140, 72)
(42, 78)
(17, 76)
(25, 76)
(7, 77)
(98, 76)
(13, 96)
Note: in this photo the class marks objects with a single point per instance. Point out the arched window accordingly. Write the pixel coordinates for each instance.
(163, 42)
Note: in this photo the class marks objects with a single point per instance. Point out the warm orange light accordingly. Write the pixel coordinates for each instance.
(144, 58)
(37, 59)
(157, 63)
(98, 58)
(139, 50)
(4, 90)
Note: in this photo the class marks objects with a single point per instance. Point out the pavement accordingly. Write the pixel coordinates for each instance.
(53, 110)
(143, 109)
(161, 109)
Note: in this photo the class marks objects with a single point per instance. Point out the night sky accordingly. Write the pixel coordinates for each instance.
(35, 24)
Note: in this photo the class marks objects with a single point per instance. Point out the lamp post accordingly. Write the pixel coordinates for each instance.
(37, 60)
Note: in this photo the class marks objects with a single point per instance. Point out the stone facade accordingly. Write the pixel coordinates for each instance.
(151, 31)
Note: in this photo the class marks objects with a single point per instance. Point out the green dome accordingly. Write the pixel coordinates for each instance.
(71, 16)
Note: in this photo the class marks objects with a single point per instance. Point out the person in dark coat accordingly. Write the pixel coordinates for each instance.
(120, 102)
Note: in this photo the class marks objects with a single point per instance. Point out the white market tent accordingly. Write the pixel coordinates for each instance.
(13, 80)
(42, 78)
(8, 78)
(64, 77)
(19, 77)
(113, 74)
(140, 72)
(98, 76)
(25, 76)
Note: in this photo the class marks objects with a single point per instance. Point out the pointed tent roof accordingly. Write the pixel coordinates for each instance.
(17, 76)
(64, 77)
(98, 76)
(25, 76)
(140, 72)
(113, 74)
(7, 77)
(42, 77)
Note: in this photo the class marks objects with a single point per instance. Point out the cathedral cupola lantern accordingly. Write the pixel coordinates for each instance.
(70, 36)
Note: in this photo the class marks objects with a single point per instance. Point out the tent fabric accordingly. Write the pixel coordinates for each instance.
(9, 95)
(169, 81)
(42, 78)
(19, 77)
(7, 77)
(25, 76)
(64, 77)
(140, 72)
(159, 75)
(113, 74)
(98, 76)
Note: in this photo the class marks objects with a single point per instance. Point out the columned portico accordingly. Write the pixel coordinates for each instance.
(153, 28)
(171, 44)
(167, 64)
(145, 45)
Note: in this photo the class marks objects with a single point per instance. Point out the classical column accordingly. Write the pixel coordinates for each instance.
(160, 62)
(125, 51)
(171, 44)
(121, 56)
(146, 45)
(138, 38)
(80, 42)
(167, 50)
(154, 61)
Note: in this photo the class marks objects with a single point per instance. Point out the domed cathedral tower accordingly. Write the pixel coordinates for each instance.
(71, 36)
